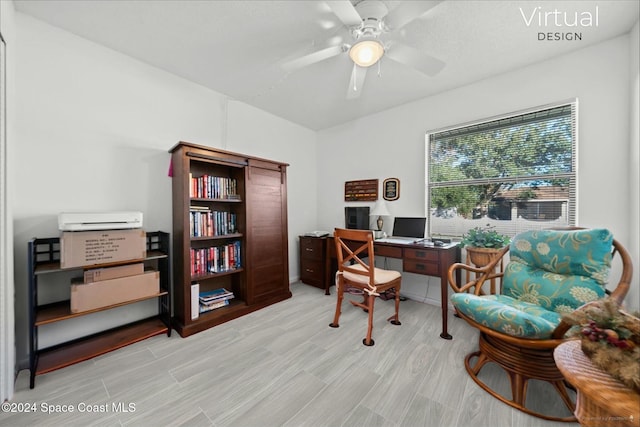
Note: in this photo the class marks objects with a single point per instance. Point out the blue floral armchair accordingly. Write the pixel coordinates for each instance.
(550, 272)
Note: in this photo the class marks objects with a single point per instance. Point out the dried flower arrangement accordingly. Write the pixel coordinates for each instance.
(610, 338)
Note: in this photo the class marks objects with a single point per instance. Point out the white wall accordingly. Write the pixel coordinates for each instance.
(251, 130)
(7, 308)
(93, 132)
(392, 143)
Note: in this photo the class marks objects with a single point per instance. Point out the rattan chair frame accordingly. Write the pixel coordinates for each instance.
(524, 359)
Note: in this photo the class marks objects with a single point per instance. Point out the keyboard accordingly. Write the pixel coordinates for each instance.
(397, 240)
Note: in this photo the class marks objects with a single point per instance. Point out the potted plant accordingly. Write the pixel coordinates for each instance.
(482, 244)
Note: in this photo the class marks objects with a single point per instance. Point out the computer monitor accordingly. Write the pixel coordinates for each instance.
(356, 218)
(409, 227)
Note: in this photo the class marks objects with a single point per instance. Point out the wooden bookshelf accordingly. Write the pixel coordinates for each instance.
(257, 199)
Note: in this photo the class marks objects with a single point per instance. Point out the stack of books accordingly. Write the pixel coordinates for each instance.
(213, 187)
(216, 259)
(210, 300)
(205, 222)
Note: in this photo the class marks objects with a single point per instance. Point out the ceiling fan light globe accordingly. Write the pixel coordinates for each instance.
(365, 53)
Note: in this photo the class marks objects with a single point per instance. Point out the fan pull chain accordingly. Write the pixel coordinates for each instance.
(379, 69)
(353, 78)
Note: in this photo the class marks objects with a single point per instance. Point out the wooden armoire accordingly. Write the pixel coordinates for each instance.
(229, 232)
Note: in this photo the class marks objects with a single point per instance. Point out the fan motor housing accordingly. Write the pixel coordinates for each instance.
(372, 13)
(371, 10)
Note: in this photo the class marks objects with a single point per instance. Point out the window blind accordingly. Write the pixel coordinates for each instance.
(513, 173)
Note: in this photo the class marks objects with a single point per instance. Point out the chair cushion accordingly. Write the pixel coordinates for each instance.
(558, 270)
(381, 276)
(508, 315)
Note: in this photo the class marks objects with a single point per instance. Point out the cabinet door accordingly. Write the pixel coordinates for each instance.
(267, 242)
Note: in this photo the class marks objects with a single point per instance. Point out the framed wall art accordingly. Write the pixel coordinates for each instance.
(361, 191)
(391, 189)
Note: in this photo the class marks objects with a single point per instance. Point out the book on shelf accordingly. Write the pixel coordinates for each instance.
(216, 298)
(216, 259)
(212, 306)
(195, 292)
(205, 222)
(215, 294)
(213, 187)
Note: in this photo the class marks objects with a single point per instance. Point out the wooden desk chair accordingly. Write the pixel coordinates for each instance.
(354, 273)
(550, 272)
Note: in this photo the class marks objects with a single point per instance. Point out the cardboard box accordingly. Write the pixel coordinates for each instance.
(90, 296)
(108, 273)
(82, 248)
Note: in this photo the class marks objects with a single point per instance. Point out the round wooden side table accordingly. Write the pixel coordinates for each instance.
(601, 401)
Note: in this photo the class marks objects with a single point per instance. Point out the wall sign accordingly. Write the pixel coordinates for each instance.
(361, 191)
(391, 189)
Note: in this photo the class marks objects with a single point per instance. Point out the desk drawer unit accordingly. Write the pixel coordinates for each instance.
(388, 251)
(312, 272)
(421, 261)
(312, 261)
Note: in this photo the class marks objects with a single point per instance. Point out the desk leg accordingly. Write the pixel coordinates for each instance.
(444, 302)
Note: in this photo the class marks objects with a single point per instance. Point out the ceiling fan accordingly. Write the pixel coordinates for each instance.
(371, 27)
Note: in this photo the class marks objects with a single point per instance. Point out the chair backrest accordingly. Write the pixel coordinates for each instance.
(559, 270)
(351, 247)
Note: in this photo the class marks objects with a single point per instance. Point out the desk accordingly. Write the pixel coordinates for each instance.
(601, 400)
(318, 264)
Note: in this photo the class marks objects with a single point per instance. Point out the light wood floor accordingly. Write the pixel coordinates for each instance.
(284, 366)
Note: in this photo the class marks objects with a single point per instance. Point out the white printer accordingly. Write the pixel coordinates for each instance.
(85, 221)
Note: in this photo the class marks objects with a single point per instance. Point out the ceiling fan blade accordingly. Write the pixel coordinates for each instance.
(414, 58)
(358, 74)
(312, 58)
(407, 12)
(345, 11)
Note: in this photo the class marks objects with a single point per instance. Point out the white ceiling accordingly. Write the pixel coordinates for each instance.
(237, 47)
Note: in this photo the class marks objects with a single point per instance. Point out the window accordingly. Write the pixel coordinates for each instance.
(514, 173)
